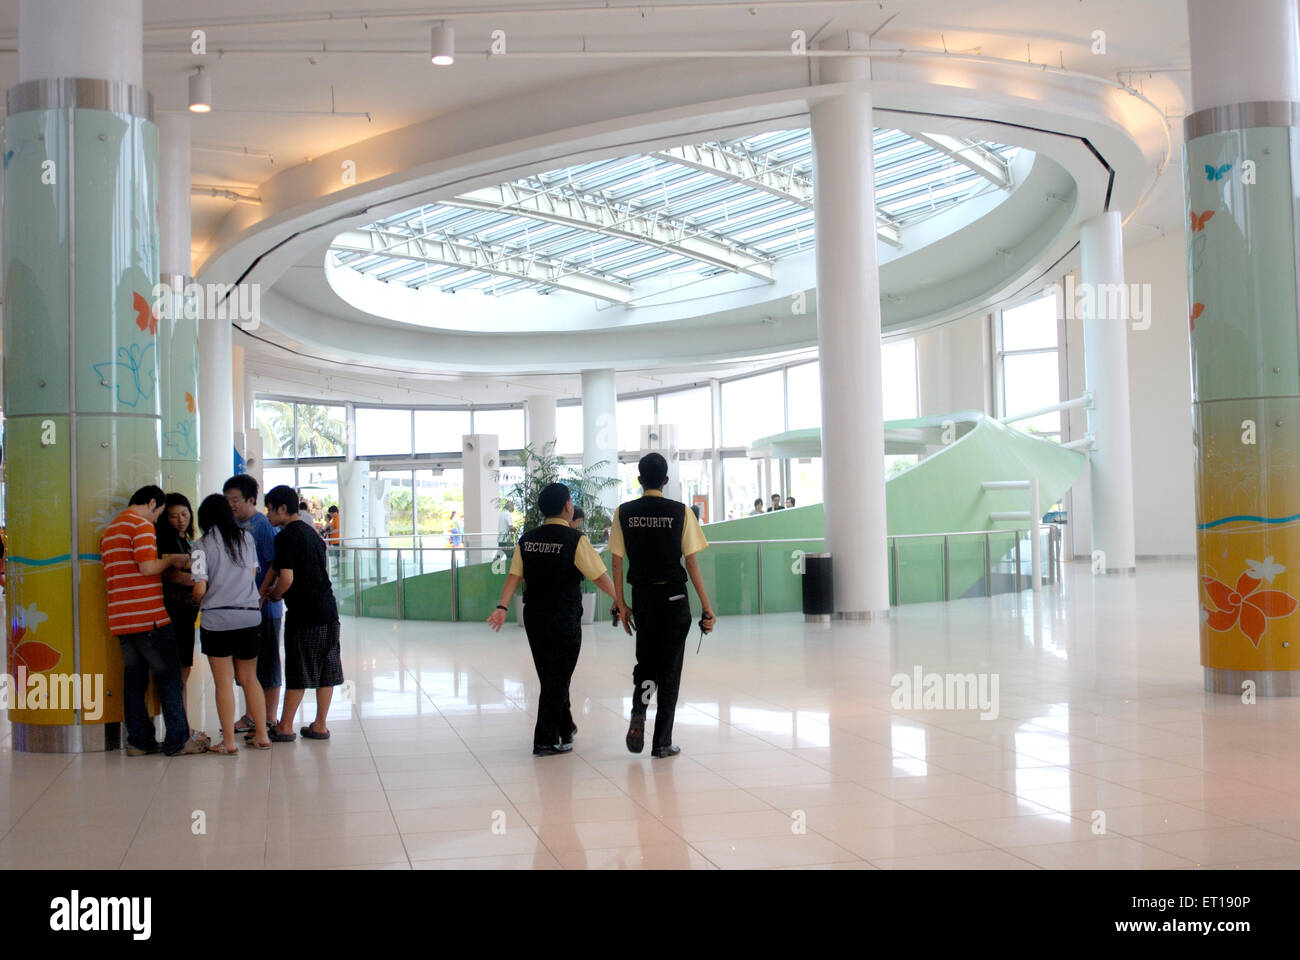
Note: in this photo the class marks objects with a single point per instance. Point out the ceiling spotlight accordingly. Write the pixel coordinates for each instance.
(442, 45)
(200, 92)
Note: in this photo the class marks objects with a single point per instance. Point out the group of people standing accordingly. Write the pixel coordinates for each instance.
(230, 584)
(653, 535)
(776, 504)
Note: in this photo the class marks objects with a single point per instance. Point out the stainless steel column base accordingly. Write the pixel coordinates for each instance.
(1268, 683)
(862, 614)
(1116, 571)
(67, 738)
(816, 618)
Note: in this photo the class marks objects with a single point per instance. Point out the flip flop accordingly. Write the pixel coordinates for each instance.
(221, 749)
(308, 733)
(257, 746)
(244, 724)
(275, 736)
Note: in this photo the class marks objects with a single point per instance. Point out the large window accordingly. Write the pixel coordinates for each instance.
(382, 432)
(508, 425)
(440, 431)
(804, 396)
(898, 377)
(1030, 374)
(752, 407)
(300, 430)
(568, 429)
(632, 416)
(692, 412)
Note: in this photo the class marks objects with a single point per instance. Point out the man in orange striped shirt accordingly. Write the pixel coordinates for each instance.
(136, 616)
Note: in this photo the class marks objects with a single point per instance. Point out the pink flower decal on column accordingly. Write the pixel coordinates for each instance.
(1245, 605)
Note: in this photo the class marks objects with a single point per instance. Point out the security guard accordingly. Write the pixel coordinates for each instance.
(552, 560)
(654, 534)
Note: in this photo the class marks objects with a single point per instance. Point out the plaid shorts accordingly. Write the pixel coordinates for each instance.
(311, 656)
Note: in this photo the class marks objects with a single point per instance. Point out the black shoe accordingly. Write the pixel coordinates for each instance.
(568, 741)
(659, 753)
(636, 735)
(552, 750)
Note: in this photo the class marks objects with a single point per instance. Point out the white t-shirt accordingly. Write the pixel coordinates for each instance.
(505, 523)
(231, 601)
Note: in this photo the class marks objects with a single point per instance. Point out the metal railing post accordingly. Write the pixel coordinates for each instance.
(356, 583)
(1017, 580)
(893, 569)
(760, 577)
(379, 564)
(399, 585)
(947, 574)
(988, 566)
(455, 590)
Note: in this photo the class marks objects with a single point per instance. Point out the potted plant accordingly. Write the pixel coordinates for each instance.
(586, 485)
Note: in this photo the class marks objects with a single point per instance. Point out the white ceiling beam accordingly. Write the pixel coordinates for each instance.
(975, 156)
(779, 182)
(563, 207)
(499, 261)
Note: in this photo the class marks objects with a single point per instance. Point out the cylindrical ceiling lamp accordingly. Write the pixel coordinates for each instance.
(200, 92)
(442, 45)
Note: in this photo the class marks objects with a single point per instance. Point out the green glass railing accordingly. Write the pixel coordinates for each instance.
(416, 581)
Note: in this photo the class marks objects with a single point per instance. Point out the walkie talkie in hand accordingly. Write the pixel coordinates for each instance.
(703, 631)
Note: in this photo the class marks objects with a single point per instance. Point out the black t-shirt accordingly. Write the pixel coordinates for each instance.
(309, 602)
(175, 595)
(652, 534)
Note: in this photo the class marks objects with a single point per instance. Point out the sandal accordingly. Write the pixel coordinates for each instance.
(244, 724)
(223, 750)
(198, 736)
(258, 746)
(307, 733)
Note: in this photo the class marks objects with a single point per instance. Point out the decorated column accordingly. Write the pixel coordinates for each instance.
(1242, 147)
(81, 399)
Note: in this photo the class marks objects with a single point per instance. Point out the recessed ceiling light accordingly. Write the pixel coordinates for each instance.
(442, 45)
(200, 92)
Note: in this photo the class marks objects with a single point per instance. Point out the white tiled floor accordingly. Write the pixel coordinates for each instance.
(791, 757)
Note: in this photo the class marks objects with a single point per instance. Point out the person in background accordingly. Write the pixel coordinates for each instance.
(758, 507)
(776, 503)
(175, 533)
(138, 618)
(506, 525)
(578, 518)
(223, 564)
(300, 576)
(241, 493)
(552, 560)
(332, 516)
(653, 535)
(789, 503)
(695, 509)
(453, 530)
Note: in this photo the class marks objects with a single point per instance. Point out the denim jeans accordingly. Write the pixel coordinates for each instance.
(153, 651)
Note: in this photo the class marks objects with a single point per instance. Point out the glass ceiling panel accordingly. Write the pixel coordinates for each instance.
(628, 219)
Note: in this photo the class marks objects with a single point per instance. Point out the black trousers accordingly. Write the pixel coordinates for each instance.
(555, 638)
(662, 624)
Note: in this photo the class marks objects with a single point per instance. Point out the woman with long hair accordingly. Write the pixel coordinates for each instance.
(224, 568)
(175, 531)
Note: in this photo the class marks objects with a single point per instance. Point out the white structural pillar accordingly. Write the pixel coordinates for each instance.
(216, 381)
(481, 466)
(539, 422)
(1105, 362)
(600, 427)
(848, 331)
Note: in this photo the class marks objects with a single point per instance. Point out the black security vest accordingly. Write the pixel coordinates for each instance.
(652, 535)
(550, 577)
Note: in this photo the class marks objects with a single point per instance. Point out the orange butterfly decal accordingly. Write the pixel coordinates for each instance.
(1200, 220)
(189, 401)
(144, 316)
(1197, 310)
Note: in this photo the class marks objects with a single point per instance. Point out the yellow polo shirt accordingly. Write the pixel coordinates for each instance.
(586, 559)
(692, 537)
